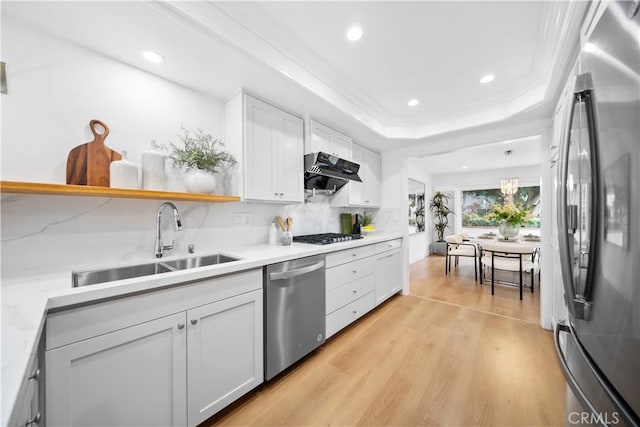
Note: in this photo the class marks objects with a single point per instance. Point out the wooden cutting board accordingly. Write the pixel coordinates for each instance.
(88, 164)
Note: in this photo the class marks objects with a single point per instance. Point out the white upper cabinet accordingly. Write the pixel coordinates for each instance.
(274, 157)
(367, 192)
(371, 178)
(269, 144)
(328, 140)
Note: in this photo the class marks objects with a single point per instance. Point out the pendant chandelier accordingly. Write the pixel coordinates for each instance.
(508, 186)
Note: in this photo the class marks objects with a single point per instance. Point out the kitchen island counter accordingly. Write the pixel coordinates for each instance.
(27, 300)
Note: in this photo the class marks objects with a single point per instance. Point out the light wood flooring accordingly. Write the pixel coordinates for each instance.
(439, 356)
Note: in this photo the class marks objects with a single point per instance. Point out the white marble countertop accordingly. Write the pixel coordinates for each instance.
(26, 301)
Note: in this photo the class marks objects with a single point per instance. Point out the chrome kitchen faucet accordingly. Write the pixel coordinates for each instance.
(160, 248)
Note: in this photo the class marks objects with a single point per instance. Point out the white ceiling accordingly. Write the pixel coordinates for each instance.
(296, 54)
(524, 152)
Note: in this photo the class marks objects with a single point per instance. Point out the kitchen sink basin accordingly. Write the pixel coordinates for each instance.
(185, 263)
(92, 277)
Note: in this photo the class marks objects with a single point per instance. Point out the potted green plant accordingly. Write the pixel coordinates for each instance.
(510, 217)
(438, 206)
(200, 156)
(367, 223)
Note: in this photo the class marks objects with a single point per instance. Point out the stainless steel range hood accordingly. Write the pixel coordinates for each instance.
(323, 171)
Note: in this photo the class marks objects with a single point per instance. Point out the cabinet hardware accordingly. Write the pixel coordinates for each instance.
(34, 420)
(194, 321)
(355, 311)
(180, 325)
(354, 271)
(35, 376)
(355, 291)
(354, 254)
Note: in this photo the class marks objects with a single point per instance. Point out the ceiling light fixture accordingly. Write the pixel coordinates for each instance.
(464, 166)
(508, 186)
(354, 33)
(487, 79)
(152, 57)
(413, 102)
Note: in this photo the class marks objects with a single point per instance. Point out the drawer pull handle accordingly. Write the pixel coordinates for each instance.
(180, 325)
(355, 291)
(34, 420)
(355, 271)
(194, 321)
(35, 376)
(355, 311)
(354, 254)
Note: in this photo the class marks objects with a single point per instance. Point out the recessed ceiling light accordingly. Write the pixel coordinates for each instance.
(413, 102)
(488, 78)
(354, 33)
(152, 56)
(464, 166)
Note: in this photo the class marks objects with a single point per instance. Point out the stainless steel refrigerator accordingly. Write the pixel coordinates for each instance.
(599, 225)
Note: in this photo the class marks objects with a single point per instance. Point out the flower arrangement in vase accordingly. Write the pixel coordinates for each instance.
(510, 217)
(200, 156)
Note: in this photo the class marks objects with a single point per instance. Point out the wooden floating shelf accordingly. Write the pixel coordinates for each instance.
(86, 190)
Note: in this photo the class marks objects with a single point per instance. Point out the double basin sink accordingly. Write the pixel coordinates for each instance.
(92, 277)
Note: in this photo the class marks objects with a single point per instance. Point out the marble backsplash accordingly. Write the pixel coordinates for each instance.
(56, 234)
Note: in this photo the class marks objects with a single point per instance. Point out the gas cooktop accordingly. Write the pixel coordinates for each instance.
(326, 238)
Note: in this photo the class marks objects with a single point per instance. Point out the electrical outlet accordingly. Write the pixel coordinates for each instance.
(241, 219)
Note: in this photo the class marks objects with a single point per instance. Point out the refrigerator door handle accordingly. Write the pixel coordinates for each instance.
(571, 379)
(611, 393)
(584, 83)
(579, 304)
(566, 220)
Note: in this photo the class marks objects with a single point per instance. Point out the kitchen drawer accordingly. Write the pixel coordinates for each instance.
(341, 257)
(387, 246)
(349, 292)
(349, 313)
(345, 273)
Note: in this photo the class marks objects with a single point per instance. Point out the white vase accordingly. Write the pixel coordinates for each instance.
(123, 173)
(153, 169)
(199, 181)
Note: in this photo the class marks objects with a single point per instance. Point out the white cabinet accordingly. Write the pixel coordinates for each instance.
(328, 140)
(133, 376)
(350, 286)
(29, 407)
(224, 348)
(367, 192)
(171, 357)
(388, 270)
(273, 154)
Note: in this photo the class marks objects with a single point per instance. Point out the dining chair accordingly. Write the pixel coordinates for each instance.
(508, 257)
(457, 247)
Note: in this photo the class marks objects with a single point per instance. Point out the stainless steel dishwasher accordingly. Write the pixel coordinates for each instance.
(294, 311)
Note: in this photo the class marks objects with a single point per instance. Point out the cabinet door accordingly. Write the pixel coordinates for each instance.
(355, 188)
(224, 353)
(371, 178)
(131, 377)
(341, 145)
(290, 158)
(388, 275)
(319, 138)
(260, 140)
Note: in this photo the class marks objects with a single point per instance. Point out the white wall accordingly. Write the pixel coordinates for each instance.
(55, 89)
(420, 243)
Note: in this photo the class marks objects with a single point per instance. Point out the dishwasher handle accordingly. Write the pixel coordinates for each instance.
(283, 275)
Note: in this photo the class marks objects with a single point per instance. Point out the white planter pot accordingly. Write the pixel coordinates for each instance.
(199, 181)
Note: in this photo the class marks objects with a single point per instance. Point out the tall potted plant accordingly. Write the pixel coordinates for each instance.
(438, 206)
